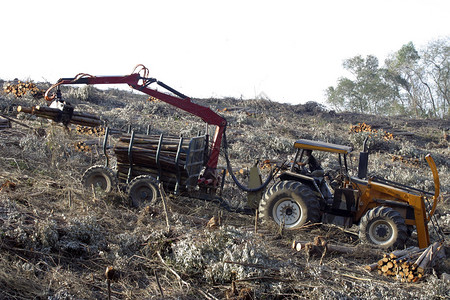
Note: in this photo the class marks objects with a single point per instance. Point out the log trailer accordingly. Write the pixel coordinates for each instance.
(386, 212)
(194, 163)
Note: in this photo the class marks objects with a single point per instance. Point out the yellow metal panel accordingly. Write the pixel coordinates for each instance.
(255, 180)
(322, 146)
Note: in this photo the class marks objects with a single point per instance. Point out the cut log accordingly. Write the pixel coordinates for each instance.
(426, 261)
(371, 267)
(421, 257)
(307, 246)
(78, 118)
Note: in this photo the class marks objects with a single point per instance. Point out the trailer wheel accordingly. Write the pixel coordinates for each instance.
(101, 178)
(290, 203)
(143, 190)
(384, 227)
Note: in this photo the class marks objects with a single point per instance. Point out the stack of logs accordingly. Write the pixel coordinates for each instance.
(86, 130)
(408, 265)
(415, 162)
(85, 146)
(78, 118)
(4, 123)
(95, 131)
(363, 127)
(21, 88)
(144, 151)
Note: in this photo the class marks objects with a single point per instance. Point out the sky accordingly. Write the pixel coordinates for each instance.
(286, 51)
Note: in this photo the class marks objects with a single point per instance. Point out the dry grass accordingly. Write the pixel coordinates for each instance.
(57, 240)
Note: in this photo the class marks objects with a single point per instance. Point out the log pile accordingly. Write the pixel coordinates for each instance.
(21, 88)
(363, 127)
(93, 131)
(408, 265)
(78, 118)
(144, 150)
(86, 146)
(82, 147)
(415, 162)
(4, 123)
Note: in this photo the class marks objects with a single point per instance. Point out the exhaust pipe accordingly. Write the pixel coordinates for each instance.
(363, 161)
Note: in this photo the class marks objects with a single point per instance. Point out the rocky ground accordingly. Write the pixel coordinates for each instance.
(57, 240)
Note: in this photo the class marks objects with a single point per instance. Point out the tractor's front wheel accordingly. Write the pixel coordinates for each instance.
(384, 227)
(143, 190)
(291, 204)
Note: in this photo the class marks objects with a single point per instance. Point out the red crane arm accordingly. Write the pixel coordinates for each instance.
(139, 83)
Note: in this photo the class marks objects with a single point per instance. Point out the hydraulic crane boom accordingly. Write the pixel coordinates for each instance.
(141, 83)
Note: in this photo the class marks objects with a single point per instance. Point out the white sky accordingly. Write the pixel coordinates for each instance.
(289, 50)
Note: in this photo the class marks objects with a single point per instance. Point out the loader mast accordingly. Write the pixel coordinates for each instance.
(437, 185)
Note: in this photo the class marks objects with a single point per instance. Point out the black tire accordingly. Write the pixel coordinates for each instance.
(383, 227)
(101, 177)
(142, 191)
(291, 203)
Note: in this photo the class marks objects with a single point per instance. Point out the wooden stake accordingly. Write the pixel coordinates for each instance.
(159, 285)
(163, 196)
(256, 220)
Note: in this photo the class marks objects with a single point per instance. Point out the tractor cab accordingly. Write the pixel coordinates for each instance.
(330, 184)
(306, 168)
(305, 160)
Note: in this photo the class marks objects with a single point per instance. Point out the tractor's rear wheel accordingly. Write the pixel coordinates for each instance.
(289, 203)
(143, 190)
(101, 178)
(384, 227)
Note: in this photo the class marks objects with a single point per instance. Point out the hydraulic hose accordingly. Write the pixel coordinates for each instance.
(230, 170)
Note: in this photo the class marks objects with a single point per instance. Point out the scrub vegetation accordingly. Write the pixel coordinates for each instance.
(57, 239)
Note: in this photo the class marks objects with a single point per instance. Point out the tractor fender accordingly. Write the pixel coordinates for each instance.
(306, 180)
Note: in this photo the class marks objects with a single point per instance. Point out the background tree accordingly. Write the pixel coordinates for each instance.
(405, 70)
(367, 92)
(412, 82)
(437, 65)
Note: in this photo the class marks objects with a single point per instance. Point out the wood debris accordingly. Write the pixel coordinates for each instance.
(409, 265)
(4, 123)
(8, 186)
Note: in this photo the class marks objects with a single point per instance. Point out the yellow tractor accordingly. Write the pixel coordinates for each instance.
(386, 212)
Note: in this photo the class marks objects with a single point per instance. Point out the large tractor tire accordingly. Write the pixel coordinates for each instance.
(384, 227)
(101, 178)
(143, 190)
(289, 203)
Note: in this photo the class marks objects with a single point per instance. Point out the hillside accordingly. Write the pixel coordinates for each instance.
(57, 240)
